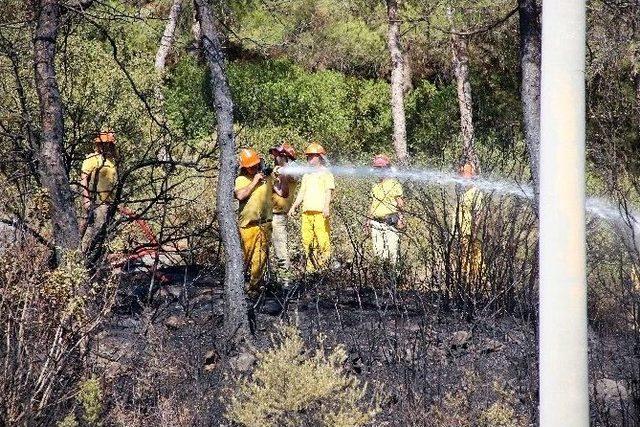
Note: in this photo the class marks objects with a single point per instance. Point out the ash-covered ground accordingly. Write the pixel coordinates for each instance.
(163, 361)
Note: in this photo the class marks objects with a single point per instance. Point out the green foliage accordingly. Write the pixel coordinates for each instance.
(68, 421)
(469, 14)
(277, 100)
(282, 94)
(432, 119)
(90, 399)
(342, 112)
(99, 83)
(348, 36)
(265, 137)
(457, 409)
(291, 387)
(64, 286)
(188, 99)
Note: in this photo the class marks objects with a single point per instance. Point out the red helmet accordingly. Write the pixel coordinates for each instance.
(109, 137)
(284, 148)
(381, 161)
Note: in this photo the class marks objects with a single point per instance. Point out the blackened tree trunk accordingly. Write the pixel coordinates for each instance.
(166, 42)
(460, 50)
(51, 159)
(636, 79)
(236, 322)
(530, 56)
(397, 82)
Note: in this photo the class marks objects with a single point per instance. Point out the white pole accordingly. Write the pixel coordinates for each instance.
(564, 393)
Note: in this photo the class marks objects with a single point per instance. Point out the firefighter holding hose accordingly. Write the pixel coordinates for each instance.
(316, 191)
(283, 196)
(98, 181)
(254, 191)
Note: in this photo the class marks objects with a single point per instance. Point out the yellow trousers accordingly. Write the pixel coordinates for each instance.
(255, 246)
(315, 240)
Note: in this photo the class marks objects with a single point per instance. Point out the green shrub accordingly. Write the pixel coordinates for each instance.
(68, 421)
(464, 407)
(64, 287)
(90, 398)
(188, 99)
(292, 387)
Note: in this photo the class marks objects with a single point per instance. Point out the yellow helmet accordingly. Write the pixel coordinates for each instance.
(315, 148)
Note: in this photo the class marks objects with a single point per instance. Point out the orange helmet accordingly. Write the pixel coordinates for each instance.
(109, 137)
(248, 157)
(381, 161)
(315, 148)
(285, 148)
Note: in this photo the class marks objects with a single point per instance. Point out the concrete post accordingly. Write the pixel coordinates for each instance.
(564, 396)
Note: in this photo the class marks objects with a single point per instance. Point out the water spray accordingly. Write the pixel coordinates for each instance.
(595, 206)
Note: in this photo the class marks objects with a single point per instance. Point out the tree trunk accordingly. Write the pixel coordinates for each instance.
(460, 49)
(195, 31)
(530, 55)
(236, 322)
(51, 162)
(635, 54)
(397, 83)
(461, 71)
(407, 74)
(168, 36)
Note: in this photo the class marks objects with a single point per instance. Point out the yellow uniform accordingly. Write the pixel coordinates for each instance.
(102, 176)
(281, 205)
(384, 202)
(254, 220)
(470, 205)
(384, 196)
(314, 188)
(315, 226)
(258, 207)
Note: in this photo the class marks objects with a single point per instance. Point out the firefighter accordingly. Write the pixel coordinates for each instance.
(385, 213)
(468, 216)
(283, 196)
(316, 190)
(253, 189)
(98, 182)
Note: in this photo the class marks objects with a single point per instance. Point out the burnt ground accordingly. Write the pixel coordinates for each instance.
(162, 362)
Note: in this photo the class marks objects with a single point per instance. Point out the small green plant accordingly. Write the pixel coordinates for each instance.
(502, 412)
(292, 387)
(90, 398)
(68, 421)
(499, 414)
(464, 407)
(63, 287)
